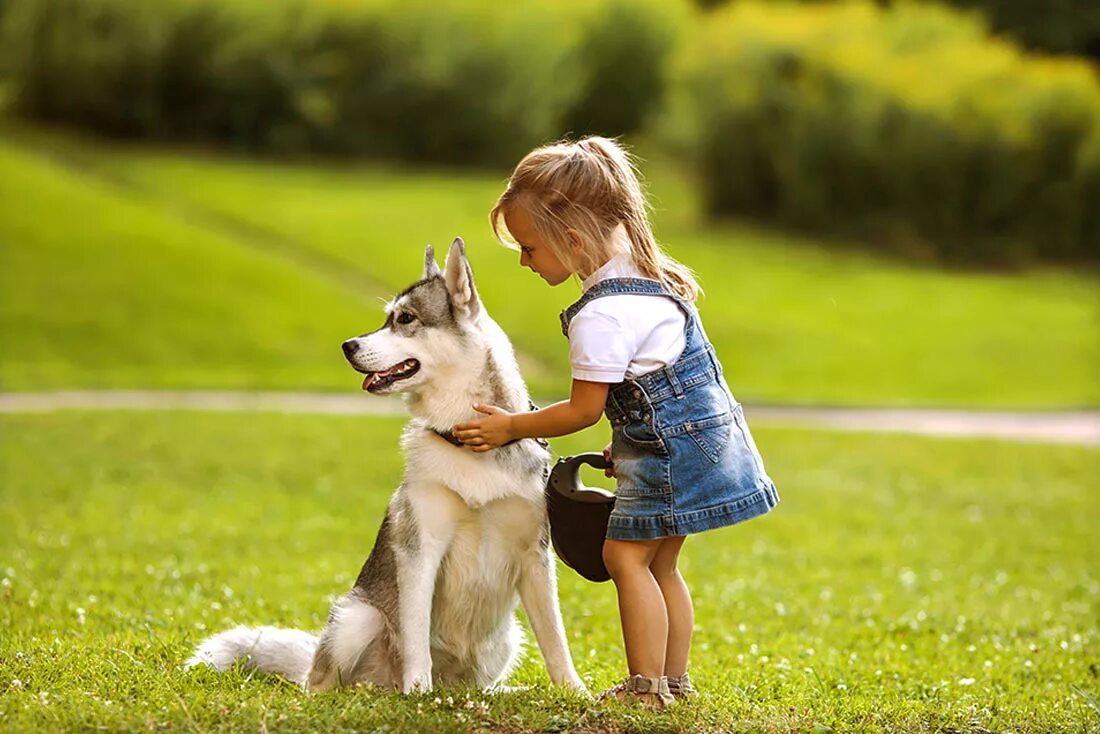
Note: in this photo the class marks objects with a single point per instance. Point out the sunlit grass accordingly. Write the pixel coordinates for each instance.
(102, 289)
(901, 584)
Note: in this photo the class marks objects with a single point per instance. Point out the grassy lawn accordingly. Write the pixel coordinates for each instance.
(141, 268)
(100, 289)
(902, 584)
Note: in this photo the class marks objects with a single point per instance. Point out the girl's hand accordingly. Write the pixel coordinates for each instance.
(486, 434)
(610, 470)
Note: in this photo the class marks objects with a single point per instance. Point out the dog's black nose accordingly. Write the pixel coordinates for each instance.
(350, 347)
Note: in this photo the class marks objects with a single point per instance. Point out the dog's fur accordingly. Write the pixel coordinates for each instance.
(464, 533)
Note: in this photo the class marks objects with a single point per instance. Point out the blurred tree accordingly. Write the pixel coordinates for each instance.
(1059, 26)
(1056, 26)
(623, 55)
(907, 125)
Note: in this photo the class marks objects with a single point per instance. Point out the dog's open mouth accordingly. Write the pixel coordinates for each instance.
(376, 381)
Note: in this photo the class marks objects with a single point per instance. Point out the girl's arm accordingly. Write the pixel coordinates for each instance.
(583, 408)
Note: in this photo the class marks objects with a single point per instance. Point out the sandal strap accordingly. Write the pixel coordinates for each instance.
(643, 688)
(681, 684)
(642, 684)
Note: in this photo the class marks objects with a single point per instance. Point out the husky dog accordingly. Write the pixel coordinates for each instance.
(463, 534)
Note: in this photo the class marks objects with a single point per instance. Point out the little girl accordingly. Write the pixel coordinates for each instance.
(681, 452)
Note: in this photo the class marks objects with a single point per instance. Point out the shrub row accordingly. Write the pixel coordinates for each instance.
(1061, 26)
(466, 81)
(907, 124)
(1064, 26)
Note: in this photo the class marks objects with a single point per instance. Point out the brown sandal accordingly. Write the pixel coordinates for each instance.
(681, 687)
(651, 692)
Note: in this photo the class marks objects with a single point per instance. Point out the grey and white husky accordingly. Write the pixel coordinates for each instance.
(464, 534)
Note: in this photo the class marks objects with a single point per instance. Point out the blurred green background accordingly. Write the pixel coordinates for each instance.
(892, 205)
(887, 204)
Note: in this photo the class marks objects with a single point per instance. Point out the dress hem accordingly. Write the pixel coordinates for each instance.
(624, 527)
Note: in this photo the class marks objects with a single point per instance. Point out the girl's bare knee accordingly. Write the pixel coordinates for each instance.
(626, 556)
(664, 563)
(664, 574)
(615, 559)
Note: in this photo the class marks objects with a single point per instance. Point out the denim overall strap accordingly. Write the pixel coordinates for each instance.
(696, 363)
(628, 286)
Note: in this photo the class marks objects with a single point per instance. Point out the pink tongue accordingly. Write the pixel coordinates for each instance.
(369, 379)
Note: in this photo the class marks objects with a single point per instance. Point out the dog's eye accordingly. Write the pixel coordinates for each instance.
(405, 318)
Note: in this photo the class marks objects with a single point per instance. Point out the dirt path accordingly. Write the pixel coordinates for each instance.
(1080, 427)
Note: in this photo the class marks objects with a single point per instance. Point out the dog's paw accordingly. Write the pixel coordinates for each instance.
(421, 683)
(500, 688)
(577, 685)
(569, 679)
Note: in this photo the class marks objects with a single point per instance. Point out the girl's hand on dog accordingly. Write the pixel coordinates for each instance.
(486, 434)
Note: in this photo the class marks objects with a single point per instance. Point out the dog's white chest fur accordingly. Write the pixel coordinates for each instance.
(478, 478)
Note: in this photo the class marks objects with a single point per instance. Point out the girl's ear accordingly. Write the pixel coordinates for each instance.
(576, 241)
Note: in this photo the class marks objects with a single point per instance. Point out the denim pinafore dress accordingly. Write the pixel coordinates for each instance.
(684, 458)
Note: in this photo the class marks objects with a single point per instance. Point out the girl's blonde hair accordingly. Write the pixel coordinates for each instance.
(591, 186)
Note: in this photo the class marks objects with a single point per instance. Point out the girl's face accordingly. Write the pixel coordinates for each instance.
(535, 252)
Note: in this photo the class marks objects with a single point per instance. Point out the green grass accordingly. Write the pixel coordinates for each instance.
(100, 289)
(901, 584)
(111, 254)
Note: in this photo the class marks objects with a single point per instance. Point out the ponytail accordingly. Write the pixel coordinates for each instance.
(648, 256)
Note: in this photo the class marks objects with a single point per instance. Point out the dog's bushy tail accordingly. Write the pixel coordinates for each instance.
(288, 653)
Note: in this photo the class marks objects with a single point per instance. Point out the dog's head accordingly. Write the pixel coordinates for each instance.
(427, 328)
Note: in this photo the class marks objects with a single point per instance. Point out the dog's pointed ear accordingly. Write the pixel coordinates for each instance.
(431, 270)
(460, 281)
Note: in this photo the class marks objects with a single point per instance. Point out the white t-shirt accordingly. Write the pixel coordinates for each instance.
(623, 336)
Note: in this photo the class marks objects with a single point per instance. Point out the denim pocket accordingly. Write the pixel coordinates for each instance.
(712, 435)
(642, 434)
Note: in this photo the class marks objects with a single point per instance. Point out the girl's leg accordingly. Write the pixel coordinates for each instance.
(681, 613)
(641, 604)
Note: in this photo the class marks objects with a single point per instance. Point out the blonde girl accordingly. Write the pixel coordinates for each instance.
(682, 454)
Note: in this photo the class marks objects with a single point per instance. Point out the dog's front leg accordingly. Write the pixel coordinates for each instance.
(538, 590)
(416, 579)
(431, 516)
